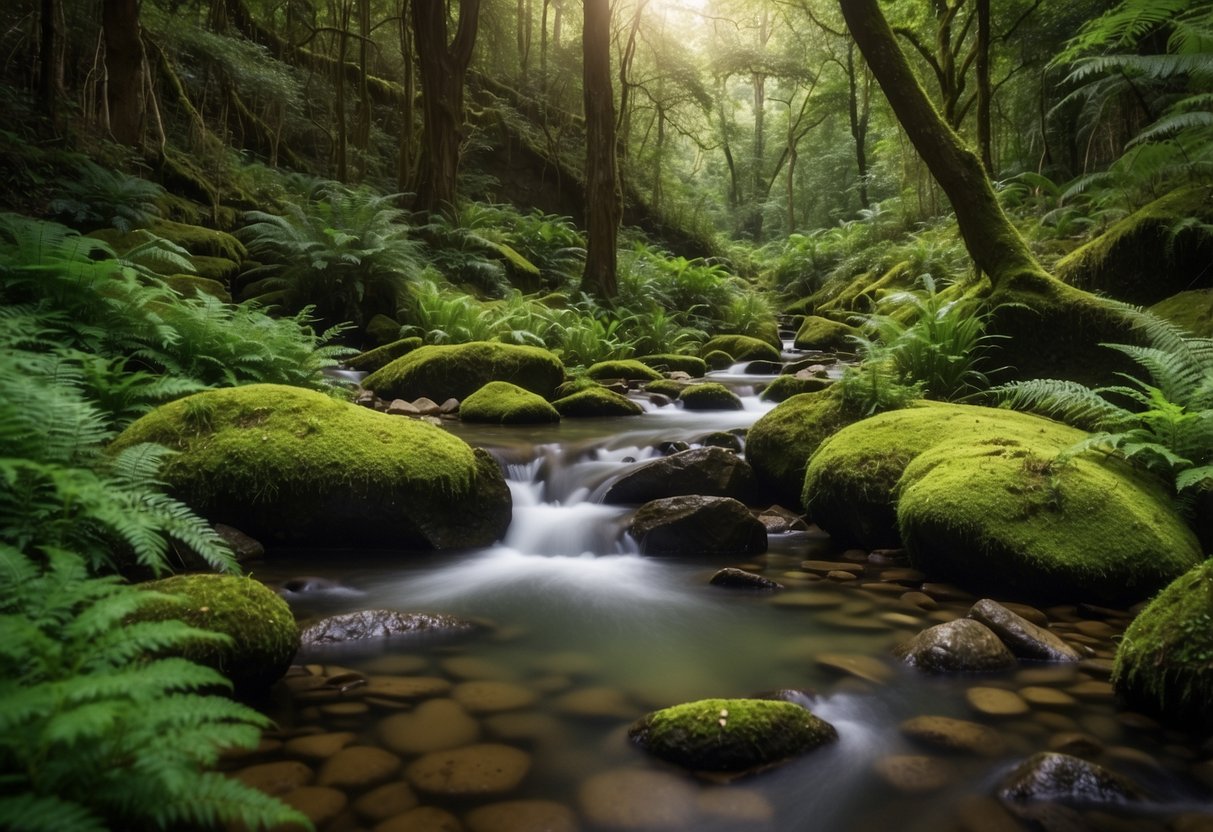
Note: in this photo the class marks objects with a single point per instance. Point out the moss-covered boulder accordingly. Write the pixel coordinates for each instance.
(667, 387)
(817, 333)
(1192, 310)
(768, 331)
(445, 371)
(1164, 663)
(220, 269)
(779, 444)
(285, 464)
(372, 360)
(192, 286)
(741, 347)
(718, 360)
(596, 402)
(628, 369)
(709, 396)
(502, 403)
(197, 239)
(670, 362)
(1003, 515)
(786, 386)
(733, 735)
(262, 631)
(382, 329)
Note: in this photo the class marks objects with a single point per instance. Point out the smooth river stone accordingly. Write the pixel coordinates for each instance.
(318, 746)
(954, 735)
(634, 799)
(358, 767)
(808, 599)
(1025, 639)
(526, 728)
(422, 819)
(386, 801)
(319, 803)
(407, 688)
(959, 646)
(275, 778)
(996, 702)
(492, 697)
(596, 703)
(487, 769)
(915, 774)
(737, 806)
(1093, 691)
(522, 816)
(1043, 697)
(471, 667)
(868, 668)
(920, 600)
(434, 725)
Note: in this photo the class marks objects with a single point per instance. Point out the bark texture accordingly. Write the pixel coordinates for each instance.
(603, 194)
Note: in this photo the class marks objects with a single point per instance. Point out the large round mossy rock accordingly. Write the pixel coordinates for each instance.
(445, 371)
(596, 402)
(851, 477)
(734, 735)
(741, 347)
(785, 387)
(502, 403)
(263, 633)
(817, 333)
(1005, 516)
(628, 369)
(709, 395)
(779, 444)
(292, 465)
(1164, 663)
(672, 362)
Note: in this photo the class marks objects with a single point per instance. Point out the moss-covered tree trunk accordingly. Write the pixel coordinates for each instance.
(603, 193)
(124, 70)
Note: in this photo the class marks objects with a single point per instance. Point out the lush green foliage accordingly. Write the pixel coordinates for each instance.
(96, 197)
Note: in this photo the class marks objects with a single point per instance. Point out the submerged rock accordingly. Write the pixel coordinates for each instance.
(1049, 776)
(697, 525)
(474, 770)
(1025, 639)
(961, 646)
(637, 799)
(369, 624)
(708, 472)
(733, 735)
(740, 579)
(957, 735)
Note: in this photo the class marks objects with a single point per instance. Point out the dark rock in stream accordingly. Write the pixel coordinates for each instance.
(244, 547)
(1060, 778)
(697, 525)
(740, 579)
(963, 646)
(709, 472)
(1025, 639)
(369, 624)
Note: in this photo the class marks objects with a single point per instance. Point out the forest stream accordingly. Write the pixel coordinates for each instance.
(586, 635)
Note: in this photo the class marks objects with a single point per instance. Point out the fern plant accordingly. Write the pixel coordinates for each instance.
(96, 197)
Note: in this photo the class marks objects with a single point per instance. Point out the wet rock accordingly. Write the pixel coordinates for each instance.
(778, 520)
(730, 734)
(399, 407)
(275, 778)
(695, 524)
(914, 774)
(596, 703)
(405, 688)
(1049, 776)
(920, 600)
(483, 697)
(743, 807)
(434, 725)
(867, 668)
(996, 702)
(740, 579)
(522, 816)
(764, 368)
(956, 735)
(318, 746)
(486, 769)
(472, 667)
(369, 624)
(1025, 639)
(358, 767)
(708, 472)
(244, 547)
(1076, 743)
(319, 803)
(631, 799)
(958, 646)
(386, 801)
(722, 439)
(421, 819)
(824, 567)
(1042, 697)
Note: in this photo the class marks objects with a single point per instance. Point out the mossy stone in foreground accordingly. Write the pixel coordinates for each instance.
(443, 371)
(742, 348)
(1165, 661)
(733, 735)
(818, 333)
(667, 387)
(670, 362)
(372, 360)
(628, 369)
(786, 386)
(286, 464)
(779, 444)
(594, 402)
(718, 360)
(709, 396)
(264, 636)
(1004, 517)
(500, 402)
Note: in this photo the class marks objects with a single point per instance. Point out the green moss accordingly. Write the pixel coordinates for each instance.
(779, 444)
(382, 329)
(718, 360)
(597, 401)
(372, 360)
(283, 463)
(768, 332)
(521, 272)
(731, 734)
(1192, 310)
(500, 402)
(817, 333)
(709, 396)
(199, 240)
(741, 347)
(1164, 663)
(458, 370)
(667, 387)
(264, 636)
(628, 369)
(191, 286)
(1002, 515)
(669, 363)
(215, 268)
(784, 387)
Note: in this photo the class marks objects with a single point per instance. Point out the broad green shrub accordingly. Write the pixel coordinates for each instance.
(96, 197)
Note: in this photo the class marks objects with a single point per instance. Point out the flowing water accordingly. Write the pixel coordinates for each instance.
(587, 635)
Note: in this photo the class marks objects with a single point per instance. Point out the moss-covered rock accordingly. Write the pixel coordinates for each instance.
(1164, 663)
(199, 240)
(1192, 310)
(191, 286)
(741, 347)
(785, 387)
(263, 633)
(817, 333)
(382, 329)
(768, 332)
(718, 360)
(670, 362)
(519, 271)
(215, 268)
(732, 735)
(709, 396)
(281, 463)
(594, 402)
(456, 371)
(500, 402)
(1003, 515)
(627, 369)
(779, 444)
(667, 387)
(372, 360)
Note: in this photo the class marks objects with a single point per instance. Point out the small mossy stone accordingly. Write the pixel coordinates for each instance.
(709, 396)
(1164, 663)
(718, 360)
(741, 347)
(264, 636)
(596, 402)
(731, 734)
(817, 333)
(281, 463)
(670, 362)
(785, 387)
(768, 332)
(372, 360)
(502, 403)
(627, 369)
(383, 330)
(667, 387)
(443, 371)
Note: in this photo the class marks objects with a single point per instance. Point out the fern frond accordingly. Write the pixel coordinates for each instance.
(1067, 401)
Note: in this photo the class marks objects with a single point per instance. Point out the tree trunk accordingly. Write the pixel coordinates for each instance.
(339, 104)
(50, 59)
(443, 69)
(984, 92)
(404, 158)
(124, 61)
(603, 194)
(859, 126)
